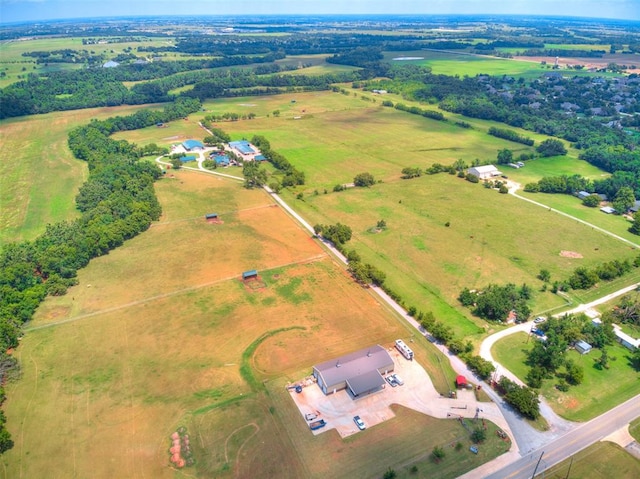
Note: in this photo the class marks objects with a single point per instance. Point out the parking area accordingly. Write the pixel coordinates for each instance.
(417, 393)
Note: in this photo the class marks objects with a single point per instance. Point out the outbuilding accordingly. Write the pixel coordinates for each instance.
(583, 347)
(608, 210)
(484, 172)
(359, 372)
(193, 145)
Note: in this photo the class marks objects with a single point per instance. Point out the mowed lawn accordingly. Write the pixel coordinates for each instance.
(601, 389)
(158, 334)
(39, 177)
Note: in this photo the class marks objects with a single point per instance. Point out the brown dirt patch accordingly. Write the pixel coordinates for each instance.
(570, 254)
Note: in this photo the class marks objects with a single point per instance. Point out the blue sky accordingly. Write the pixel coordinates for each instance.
(28, 10)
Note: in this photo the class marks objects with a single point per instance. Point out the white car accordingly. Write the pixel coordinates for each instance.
(397, 379)
(359, 422)
(391, 380)
(540, 319)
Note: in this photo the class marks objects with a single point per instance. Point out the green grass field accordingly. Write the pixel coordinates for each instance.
(424, 260)
(602, 460)
(600, 390)
(450, 63)
(40, 177)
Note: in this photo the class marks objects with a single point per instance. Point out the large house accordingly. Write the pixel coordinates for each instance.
(359, 372)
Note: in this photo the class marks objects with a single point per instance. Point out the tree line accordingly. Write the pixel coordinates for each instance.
(116, 203)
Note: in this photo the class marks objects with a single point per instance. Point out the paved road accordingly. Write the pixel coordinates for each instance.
(572, 442)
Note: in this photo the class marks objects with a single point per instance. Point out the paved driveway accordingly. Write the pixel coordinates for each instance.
(417, 393)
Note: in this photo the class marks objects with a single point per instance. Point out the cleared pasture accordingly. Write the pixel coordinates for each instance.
(427, 262)
(601, 389)
(491, 238)
(40, 177)
(255, 235)
(162, 333)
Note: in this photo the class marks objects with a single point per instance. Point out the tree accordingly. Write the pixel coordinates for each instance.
(389, 474)
(544, 275)
(382, 224)
(551, 147)
(603, 361)
(575, 373)
(437, 454)
(478, 435)
(523, 398)
(480, 366)
(176, 163)
(254, 176)
(505, 156)
(535, 376)
(592, 201)
(635, 227)
(364, 180)
(624, 199)
(503, 189)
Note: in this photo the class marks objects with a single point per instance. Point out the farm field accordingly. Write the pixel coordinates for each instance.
(39, 184)
(340, 135)
(601, 389)
(451, 63)
(14, 62)
(601, 460)
(162, 333)
(424, 260)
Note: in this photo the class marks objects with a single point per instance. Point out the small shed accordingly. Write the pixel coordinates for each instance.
(211, 216)
(251, 274)
(187, 159)
(608, 210)
(583, 347)
(461, 381)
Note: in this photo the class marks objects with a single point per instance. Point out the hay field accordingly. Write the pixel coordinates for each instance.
(161, 333)
(39, 177)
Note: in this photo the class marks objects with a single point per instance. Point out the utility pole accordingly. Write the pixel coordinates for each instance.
(536, 469)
